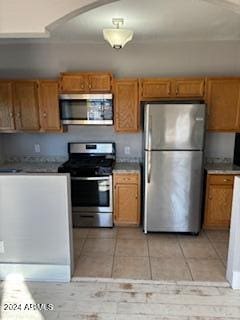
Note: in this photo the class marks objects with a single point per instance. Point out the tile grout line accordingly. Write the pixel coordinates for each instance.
(114, 253)
(149, 259)
(80, 251)
(214, 248)
(185, 259)
(84, 241)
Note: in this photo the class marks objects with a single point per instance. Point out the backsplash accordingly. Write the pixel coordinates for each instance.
(219, 145)
(1, 149)
(55, 145)
(218, 160)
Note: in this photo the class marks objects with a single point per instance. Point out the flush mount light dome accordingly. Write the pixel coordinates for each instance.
(117, 37)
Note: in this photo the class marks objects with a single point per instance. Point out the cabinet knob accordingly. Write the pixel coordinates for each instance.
(82, 86)
(226, 180)
(19, 114)
(176, 91)
(11, 114)
(44, 114)
(89, 86)
(210, 197)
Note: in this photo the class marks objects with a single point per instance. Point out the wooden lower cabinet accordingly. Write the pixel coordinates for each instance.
(126, 199)
(218, 201)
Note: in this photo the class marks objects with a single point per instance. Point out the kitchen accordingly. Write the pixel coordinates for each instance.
(204, 60)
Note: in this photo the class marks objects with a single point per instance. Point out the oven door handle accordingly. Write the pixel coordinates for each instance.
(90, 178)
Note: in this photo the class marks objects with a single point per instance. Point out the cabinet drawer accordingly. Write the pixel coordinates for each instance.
(221, 179)
(126, 178)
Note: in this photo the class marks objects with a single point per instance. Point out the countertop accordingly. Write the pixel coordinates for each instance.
(32, 167)
(222, 168)
(127, 167)
(52, 167)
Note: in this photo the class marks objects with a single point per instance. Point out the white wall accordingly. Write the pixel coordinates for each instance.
(135, 60)
(163, 59)
(36, 15)
(37, 210)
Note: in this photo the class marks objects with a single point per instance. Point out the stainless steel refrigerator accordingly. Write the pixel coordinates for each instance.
(173, 166)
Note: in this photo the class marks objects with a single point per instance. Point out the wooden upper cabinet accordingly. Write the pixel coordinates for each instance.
(85, 82)
(223, 100)
(26, 105)
(73, 83)
(187, 88)
(6, 106)
(126, 104)
(155, 88)
(99, 82)
(49, 106)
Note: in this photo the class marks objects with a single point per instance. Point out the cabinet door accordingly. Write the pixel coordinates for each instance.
(126, 115)
(26, 105)
(6, 106)
(155, 88)
(223, 99)
(218, 202)
(74, 83)
(126, 204)
(99, 82)
(49, 106)
(189, 88)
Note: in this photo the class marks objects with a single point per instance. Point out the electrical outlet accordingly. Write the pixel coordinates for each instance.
(1, 247)
(37, 148)
(127, 150)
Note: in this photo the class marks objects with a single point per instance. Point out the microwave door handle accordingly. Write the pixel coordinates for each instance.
(90, 178)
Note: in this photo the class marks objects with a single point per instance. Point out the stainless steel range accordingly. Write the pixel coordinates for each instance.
(90, 166)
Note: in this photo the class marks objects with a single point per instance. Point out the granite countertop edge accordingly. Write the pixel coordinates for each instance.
(222, 168)
(52, 167)
(127, 167)
(32, 167)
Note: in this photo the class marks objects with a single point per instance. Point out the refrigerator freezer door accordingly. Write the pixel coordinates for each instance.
(174, 126)
(173, 191)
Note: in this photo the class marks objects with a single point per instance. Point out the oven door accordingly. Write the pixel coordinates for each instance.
(91, 194)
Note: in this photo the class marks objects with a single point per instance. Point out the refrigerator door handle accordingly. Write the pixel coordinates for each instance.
(149, 166)
(150, 133)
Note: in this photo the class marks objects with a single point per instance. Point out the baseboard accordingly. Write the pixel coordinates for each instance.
(36, 272)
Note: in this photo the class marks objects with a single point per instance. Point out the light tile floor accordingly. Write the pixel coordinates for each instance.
(129, 253)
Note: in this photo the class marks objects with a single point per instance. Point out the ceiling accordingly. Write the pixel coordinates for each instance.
(154, 20)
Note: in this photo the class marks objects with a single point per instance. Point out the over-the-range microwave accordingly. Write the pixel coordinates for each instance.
(86, 109)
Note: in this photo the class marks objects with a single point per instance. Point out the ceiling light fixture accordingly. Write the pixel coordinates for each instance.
(117, 37)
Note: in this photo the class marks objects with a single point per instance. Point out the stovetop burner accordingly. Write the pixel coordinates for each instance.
(88, 162)
(83, 163)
